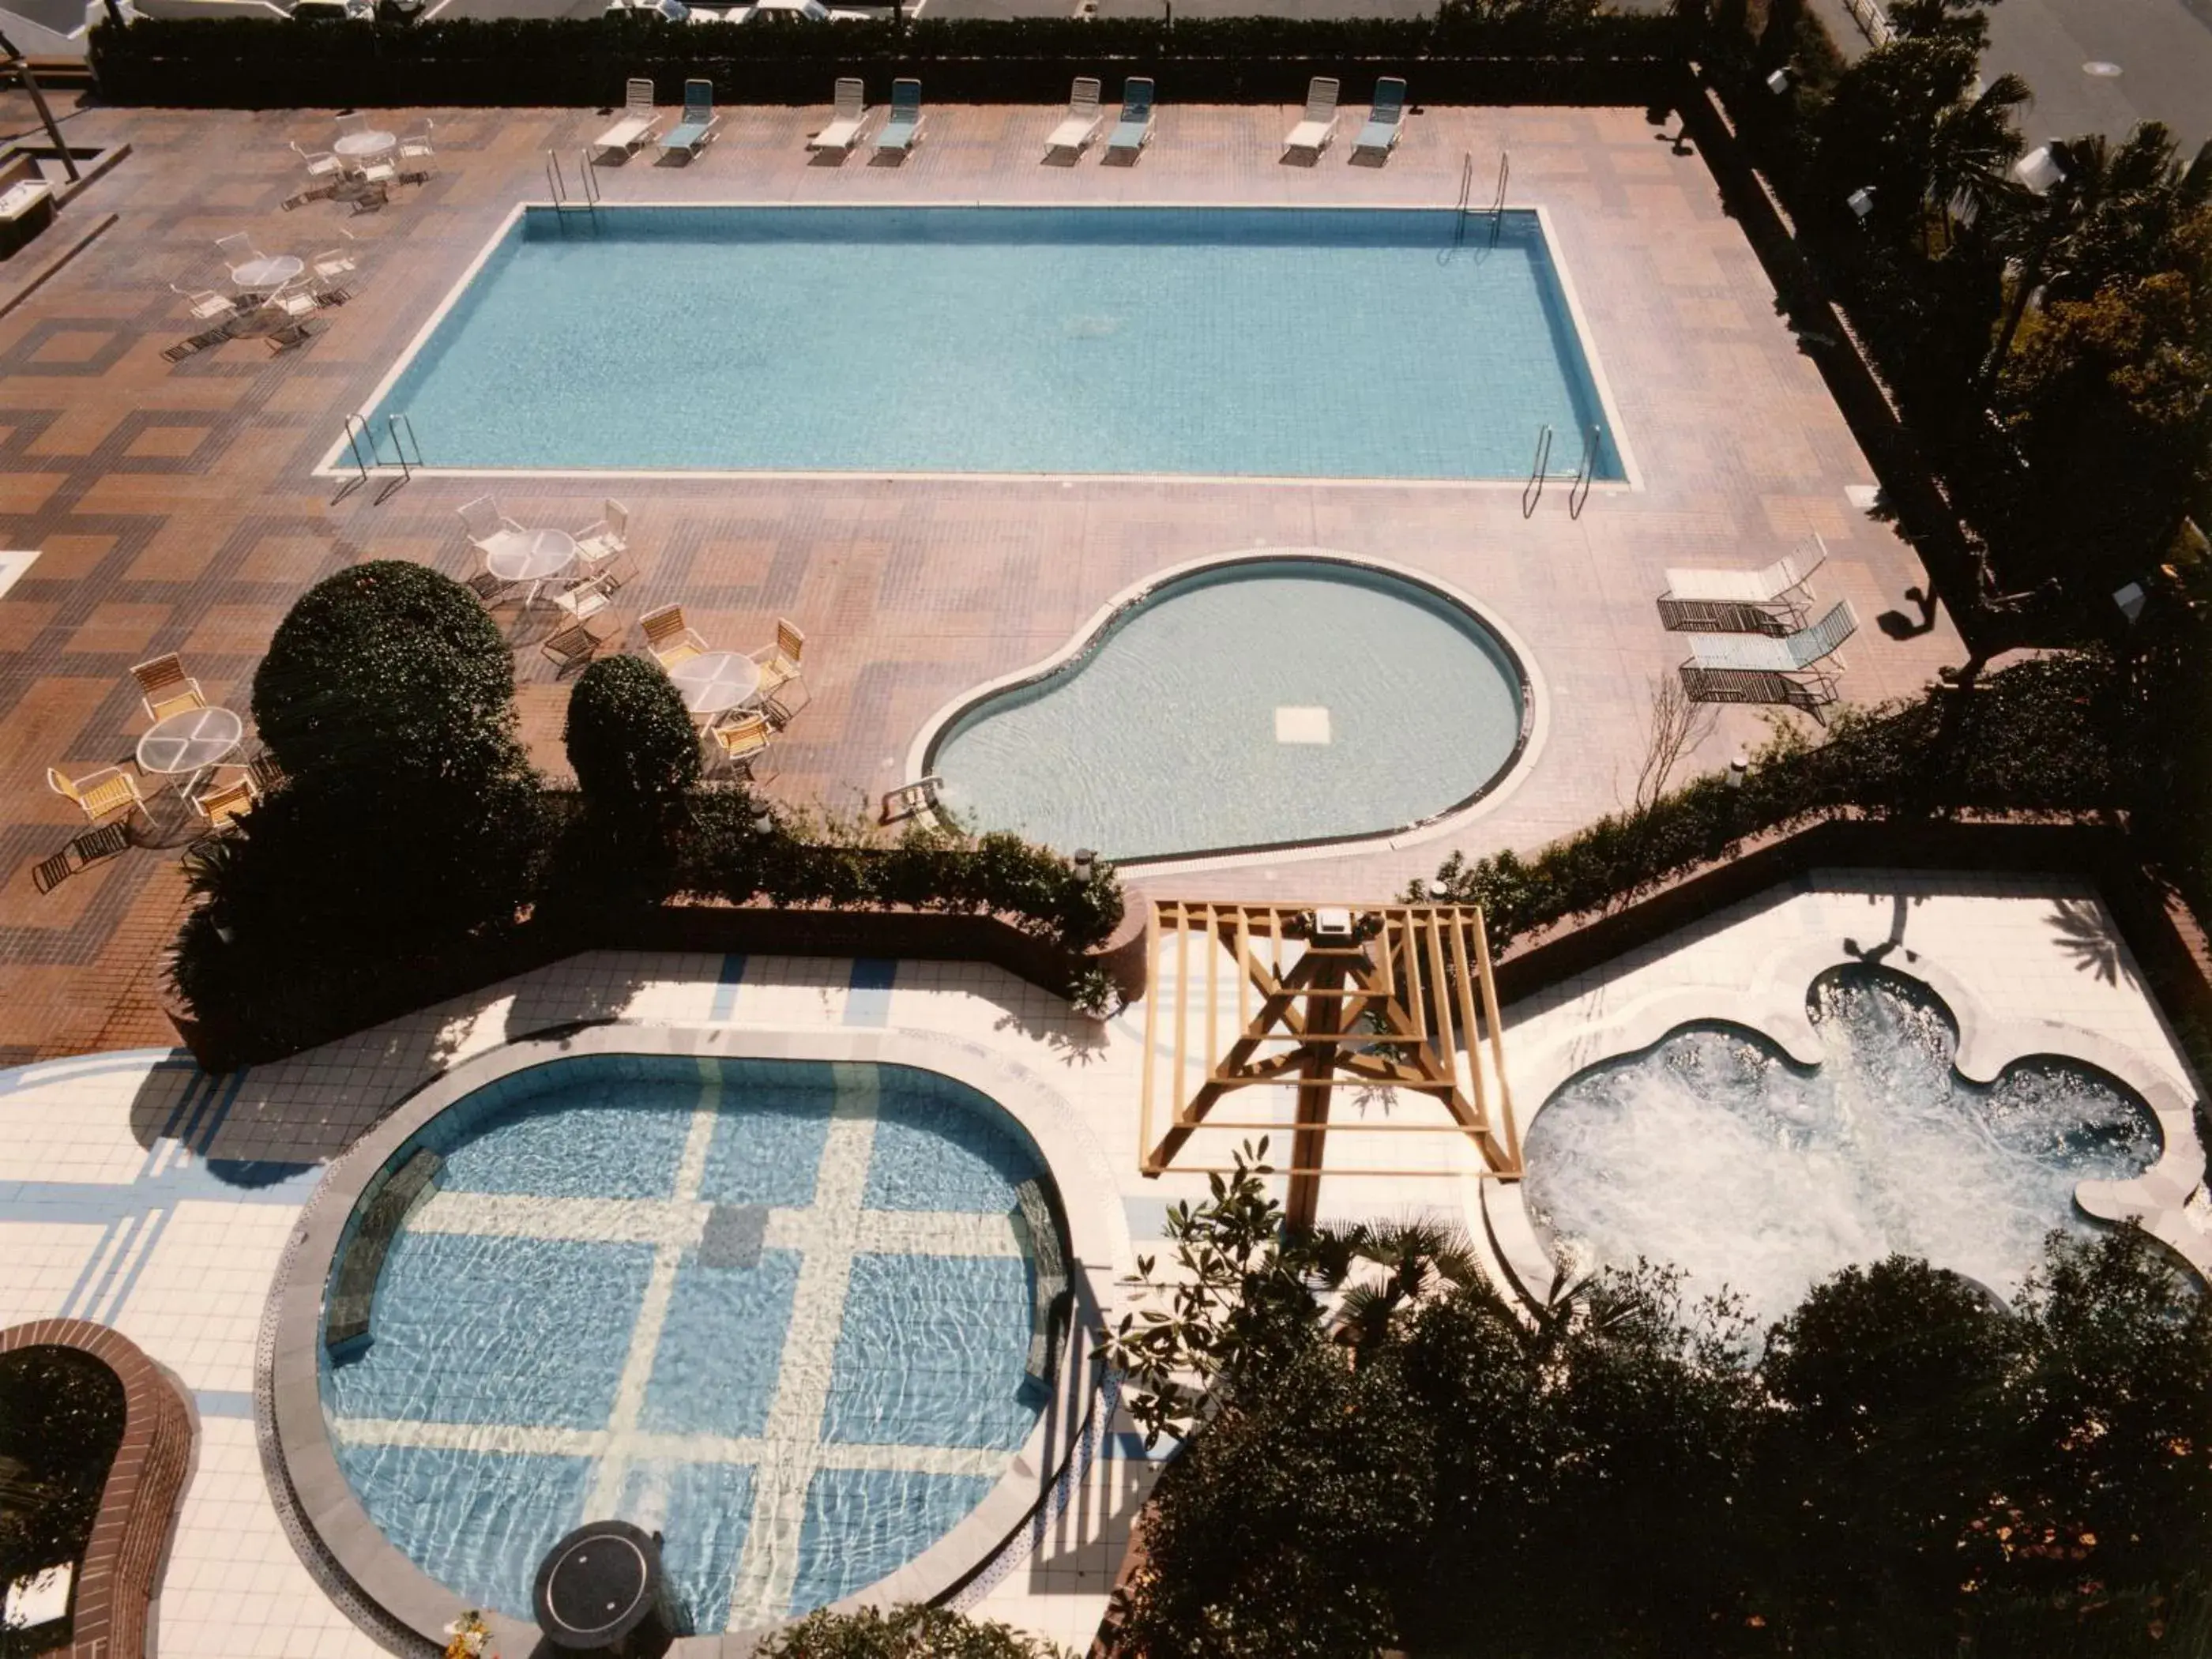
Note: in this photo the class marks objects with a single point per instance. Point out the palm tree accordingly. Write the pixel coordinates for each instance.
(1419, 1259)
(1970, 148)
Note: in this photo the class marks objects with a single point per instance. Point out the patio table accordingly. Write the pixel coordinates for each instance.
(189, 744)
(357, 146)
(269, 271)
(716, 682)
(530, 555)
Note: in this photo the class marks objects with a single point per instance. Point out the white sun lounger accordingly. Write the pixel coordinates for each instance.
(1386, 121)
(1135, 130)
(903, 131)
(1080, 125)
(1696, 598)
(1313, 133)
(849, 115)
(638, 122)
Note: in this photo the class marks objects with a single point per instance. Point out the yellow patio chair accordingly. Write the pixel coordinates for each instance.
(224, 805)
(108, 793)
(166, 689)
(669, 637)
(741, 743)
(778, 666)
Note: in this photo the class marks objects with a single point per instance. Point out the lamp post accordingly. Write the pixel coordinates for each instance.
(2044, 170)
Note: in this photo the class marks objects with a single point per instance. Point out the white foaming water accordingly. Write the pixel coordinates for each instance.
(1714, 1153)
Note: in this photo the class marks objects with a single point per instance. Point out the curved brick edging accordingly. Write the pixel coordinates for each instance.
(115, 1581)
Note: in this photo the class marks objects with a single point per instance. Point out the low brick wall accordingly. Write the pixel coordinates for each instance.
(116, 1579)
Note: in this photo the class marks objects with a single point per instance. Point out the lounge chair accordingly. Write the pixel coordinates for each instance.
(1081, 123)
(741, 743)
(697, 130)
(321, 163)
(669, 637)
(903, 131)
(848, 115)
(1134, 130)
(638, 122)
(1312, 134)
(1386, 119)
(778, 666)
(110, 793)
(1775, 600)
(1798, 669)
(165, 689)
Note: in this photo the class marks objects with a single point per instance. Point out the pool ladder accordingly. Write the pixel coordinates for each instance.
(368, 454)
(1584, 473)
(1465, 209)
(586, 198)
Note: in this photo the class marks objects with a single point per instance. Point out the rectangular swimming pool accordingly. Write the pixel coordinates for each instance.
(1353, 342)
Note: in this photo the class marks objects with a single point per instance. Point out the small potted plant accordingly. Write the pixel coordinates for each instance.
(1093, 993)
(468, 1634)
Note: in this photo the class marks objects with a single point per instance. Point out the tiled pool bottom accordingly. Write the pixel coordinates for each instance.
(778, 1312)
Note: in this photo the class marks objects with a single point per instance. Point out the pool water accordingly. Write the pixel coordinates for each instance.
(1714, 1153)
(778, 1312)
(1257, 704)
(1253, 342)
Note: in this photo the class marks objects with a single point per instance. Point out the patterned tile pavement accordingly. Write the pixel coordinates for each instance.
(174, 508)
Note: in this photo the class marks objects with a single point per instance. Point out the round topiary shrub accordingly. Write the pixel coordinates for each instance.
(628, 736)
(387, 669)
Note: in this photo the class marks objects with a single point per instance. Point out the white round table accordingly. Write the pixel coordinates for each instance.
(529, 555)
(716, 682)
(191, 741)
(358, 144)
(269, 271)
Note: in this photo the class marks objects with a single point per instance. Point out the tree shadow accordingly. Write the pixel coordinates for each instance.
(1898, 626)
(1873, 955)
(2086, 934)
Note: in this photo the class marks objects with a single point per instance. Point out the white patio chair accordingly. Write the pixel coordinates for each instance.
(1081, 123)
(321, 163)
(1312, 133)
(208, 306)
(848, 114)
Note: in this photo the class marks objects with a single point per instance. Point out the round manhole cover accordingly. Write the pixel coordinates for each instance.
(596, 1585)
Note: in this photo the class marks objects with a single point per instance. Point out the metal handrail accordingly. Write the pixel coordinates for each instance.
(1585, 473)
(556, 183)
(1532, 492)
(357, 428)
(396, 422)
(1460, 209)
(1498, 206)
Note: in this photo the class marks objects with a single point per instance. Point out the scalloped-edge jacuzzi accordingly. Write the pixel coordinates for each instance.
(1261, 703)
(497, 1393)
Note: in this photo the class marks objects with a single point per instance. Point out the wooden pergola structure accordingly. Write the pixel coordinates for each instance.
(1316, 998)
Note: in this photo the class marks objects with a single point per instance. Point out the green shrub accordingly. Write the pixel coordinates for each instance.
(912, 1632)
(61, 1420)
(387, 669)
(629, 740)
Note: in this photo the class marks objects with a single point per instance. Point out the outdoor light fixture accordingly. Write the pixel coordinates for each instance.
(763, 821)
(1861, 201)
(1778, 82)
(2131, 599)
(2040, 169)
(1085, 862)
(1738, 769)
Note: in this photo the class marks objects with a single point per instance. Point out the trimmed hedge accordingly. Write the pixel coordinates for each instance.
(2035, 736)
(1530, 54)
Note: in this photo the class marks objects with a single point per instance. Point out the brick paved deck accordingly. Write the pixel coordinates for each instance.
(175, 509)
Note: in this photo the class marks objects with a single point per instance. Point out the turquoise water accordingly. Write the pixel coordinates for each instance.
(1713, 1153)
(1243, 341)
(561, 1333)
(1163, 737)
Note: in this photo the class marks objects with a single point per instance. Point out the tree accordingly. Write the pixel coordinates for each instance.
(629, 737)
(392, 671)
(61, 1419)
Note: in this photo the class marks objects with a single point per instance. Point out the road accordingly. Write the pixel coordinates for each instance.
(2162, 50)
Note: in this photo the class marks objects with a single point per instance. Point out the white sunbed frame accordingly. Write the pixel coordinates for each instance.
(849, 116)
(1081, 123)
(1115, 144)
(1799, 670)
(1313, 132)
(1777, 599)
(898, 136)
(640, 121)
(1379, 136)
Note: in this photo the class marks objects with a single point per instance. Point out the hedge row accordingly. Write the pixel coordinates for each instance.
(252, 62)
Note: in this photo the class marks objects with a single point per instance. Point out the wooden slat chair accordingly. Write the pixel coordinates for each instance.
(669, 637)
(165, 687)
(227, 803)
(109, 793)
(741, 743)
(779, 672)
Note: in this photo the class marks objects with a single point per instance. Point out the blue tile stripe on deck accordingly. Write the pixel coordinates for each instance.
(733, 974)
(869, 1000)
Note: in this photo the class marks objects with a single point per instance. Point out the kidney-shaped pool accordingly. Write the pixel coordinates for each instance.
(1251, 703)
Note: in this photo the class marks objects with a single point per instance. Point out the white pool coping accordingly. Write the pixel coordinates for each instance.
(1535, 712)
(335, 463)
(324, 1502)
